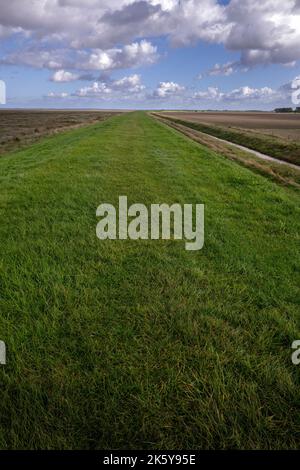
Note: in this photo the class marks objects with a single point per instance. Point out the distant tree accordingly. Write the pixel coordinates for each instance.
(298, 110)
(284, 110)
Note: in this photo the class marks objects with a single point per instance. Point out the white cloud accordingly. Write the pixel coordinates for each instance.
(52, 94)
(129, 86)
(99, 89)
(225, 69)
(193, 20)
(247, 93)
(168, 89)
(105, 34)
(242, 94)
(264, 31)
(130, 56)
(211, 93)
(63, 76)
(38, 58)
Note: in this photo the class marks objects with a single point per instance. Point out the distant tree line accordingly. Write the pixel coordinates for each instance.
(287, 110)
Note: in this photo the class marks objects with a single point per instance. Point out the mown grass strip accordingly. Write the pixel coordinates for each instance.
(124, 344)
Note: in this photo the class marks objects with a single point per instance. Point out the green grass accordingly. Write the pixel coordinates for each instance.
(123, 344)
(269, 145)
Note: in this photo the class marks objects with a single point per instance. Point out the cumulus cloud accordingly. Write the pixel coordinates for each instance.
(52, 94)
(62, 76)
(82, 39)
(98, 89)
(265, 32)
(212, 93)
(129, 86)
(262, 31)
(242, 94)
(130, 56)
(167, 90)
(194, 20)
(225, 69)
(247, 93)
(132, 13)
(38, 58)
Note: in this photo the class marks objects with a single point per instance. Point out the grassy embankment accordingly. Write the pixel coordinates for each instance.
(119, 344)
(269, 145)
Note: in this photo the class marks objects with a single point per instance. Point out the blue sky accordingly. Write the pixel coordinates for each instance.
(193, 54)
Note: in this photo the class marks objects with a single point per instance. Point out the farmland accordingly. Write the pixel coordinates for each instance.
(272, 145)
(19, 128)
(141, 344)
(283, 125)
(279, 170)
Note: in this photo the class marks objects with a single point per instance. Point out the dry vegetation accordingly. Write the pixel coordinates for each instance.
(18, 128)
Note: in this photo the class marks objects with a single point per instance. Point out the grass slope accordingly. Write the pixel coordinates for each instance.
(121, 344)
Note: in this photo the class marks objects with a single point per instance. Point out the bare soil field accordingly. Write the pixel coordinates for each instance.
(286, 126)
(19, 128)
(221, 126)
(286, 175)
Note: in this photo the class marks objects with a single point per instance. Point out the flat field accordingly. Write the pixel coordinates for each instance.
(222, 127)
(284, 125)
(19, 128)
(141, 344)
